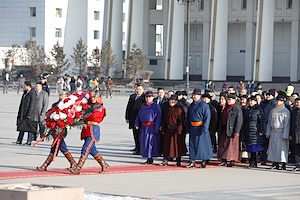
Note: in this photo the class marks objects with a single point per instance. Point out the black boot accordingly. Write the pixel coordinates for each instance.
(231, 164)
(275, 165)
(191, 165)
(149, 161)
(283, 167)
(178, 161)
(203, 164)
(223, 163)
(164, 162)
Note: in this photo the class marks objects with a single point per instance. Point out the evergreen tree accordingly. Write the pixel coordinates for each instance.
(59, 58)
(135, 62)
(108, 60)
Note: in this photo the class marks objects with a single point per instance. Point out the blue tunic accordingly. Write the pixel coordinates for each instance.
(150, 116)
(199, 141)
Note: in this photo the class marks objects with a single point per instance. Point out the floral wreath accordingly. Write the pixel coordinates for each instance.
(67, 113)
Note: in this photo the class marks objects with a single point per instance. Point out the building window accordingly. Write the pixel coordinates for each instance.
(96, 15)
(32, 11)
(159, 5)
(244, 4)
(58, 12)
(201, 5)
(58, 32)
(96, 35)
(32, 32)
(123, 36)
(289, 4)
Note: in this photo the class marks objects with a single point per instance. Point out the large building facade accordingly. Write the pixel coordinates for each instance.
(228, 40)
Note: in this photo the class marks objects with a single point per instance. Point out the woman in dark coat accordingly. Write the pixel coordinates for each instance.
(172, 127)
(253, 126)
(231, 124)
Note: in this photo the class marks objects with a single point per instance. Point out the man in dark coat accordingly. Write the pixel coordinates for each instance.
(26, 111)
(213, 125)
(295, 132)
(160, 100)
(134, 104)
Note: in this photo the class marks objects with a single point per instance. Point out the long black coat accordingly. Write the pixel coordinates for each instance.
(254, 123)
(26, 108)
(295, 125)
(133, 107)
(234, 121)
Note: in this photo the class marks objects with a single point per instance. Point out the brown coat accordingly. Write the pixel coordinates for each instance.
(172, 126)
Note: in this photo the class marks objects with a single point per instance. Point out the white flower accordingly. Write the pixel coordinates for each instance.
(54, 116)
(84, 101)
(62, 116)
(87, 96)
(60, 105)
(79, 108)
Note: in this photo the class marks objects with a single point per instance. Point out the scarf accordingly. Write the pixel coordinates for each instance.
(275, 115)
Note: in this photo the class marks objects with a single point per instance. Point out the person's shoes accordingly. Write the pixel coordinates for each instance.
(223, 163)
(191, 165)
(164, 163)
(275, 166)
(243, 160)
(203, 164)
(296, 169)
(136, 153)
(283, 167)
(27, 144)
(263, 163)
(133, 149)
(178, 164)
(170, 159)
(252, 164)
(231, 164)
(215, 150)
(17, 142)
(149, 161)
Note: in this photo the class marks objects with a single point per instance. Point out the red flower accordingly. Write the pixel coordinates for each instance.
(70, 121)
(84, 106)
(66, 100)
(65, 110)
(51, 124)
(78, 114)
(61, 123)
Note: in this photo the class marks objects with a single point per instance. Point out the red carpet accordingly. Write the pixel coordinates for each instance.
(94, 170)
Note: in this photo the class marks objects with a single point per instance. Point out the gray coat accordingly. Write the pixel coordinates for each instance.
(41, 106)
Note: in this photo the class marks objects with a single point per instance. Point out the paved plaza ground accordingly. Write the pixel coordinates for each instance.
(127, 176)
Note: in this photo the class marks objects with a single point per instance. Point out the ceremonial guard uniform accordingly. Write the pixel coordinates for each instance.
(62, 145)
(91, 133)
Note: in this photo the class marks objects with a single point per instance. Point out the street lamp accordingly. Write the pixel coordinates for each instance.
(187, 69)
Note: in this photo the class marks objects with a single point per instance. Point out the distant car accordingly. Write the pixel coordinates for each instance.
(27, 73)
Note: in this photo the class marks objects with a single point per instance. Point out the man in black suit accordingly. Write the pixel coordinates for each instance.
(160, 100)
(133, 106)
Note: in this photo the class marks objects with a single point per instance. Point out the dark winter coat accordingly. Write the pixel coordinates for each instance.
(26, 108)
(254, 123)
(133, 107)
(295, 125)
(234, 121)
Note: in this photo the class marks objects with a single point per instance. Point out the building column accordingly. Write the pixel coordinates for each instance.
(295, 43)
(135, 24)
(263, 70)
(206, 39)
(218, 40)
(114, 32)
(175, 42)
(250, 31)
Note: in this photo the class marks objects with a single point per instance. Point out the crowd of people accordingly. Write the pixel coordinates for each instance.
(245, 124)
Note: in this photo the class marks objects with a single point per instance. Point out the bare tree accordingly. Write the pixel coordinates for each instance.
(36, 57)
(135, 62)
(108, 60)
(59, 58)
(80, 57)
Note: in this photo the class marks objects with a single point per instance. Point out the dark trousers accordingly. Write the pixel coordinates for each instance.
(253, 157)
(297, 154)
(136, 137)
(213, 139)
(161, 143)
(265, 149)
(42, 128)
(21, 135)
